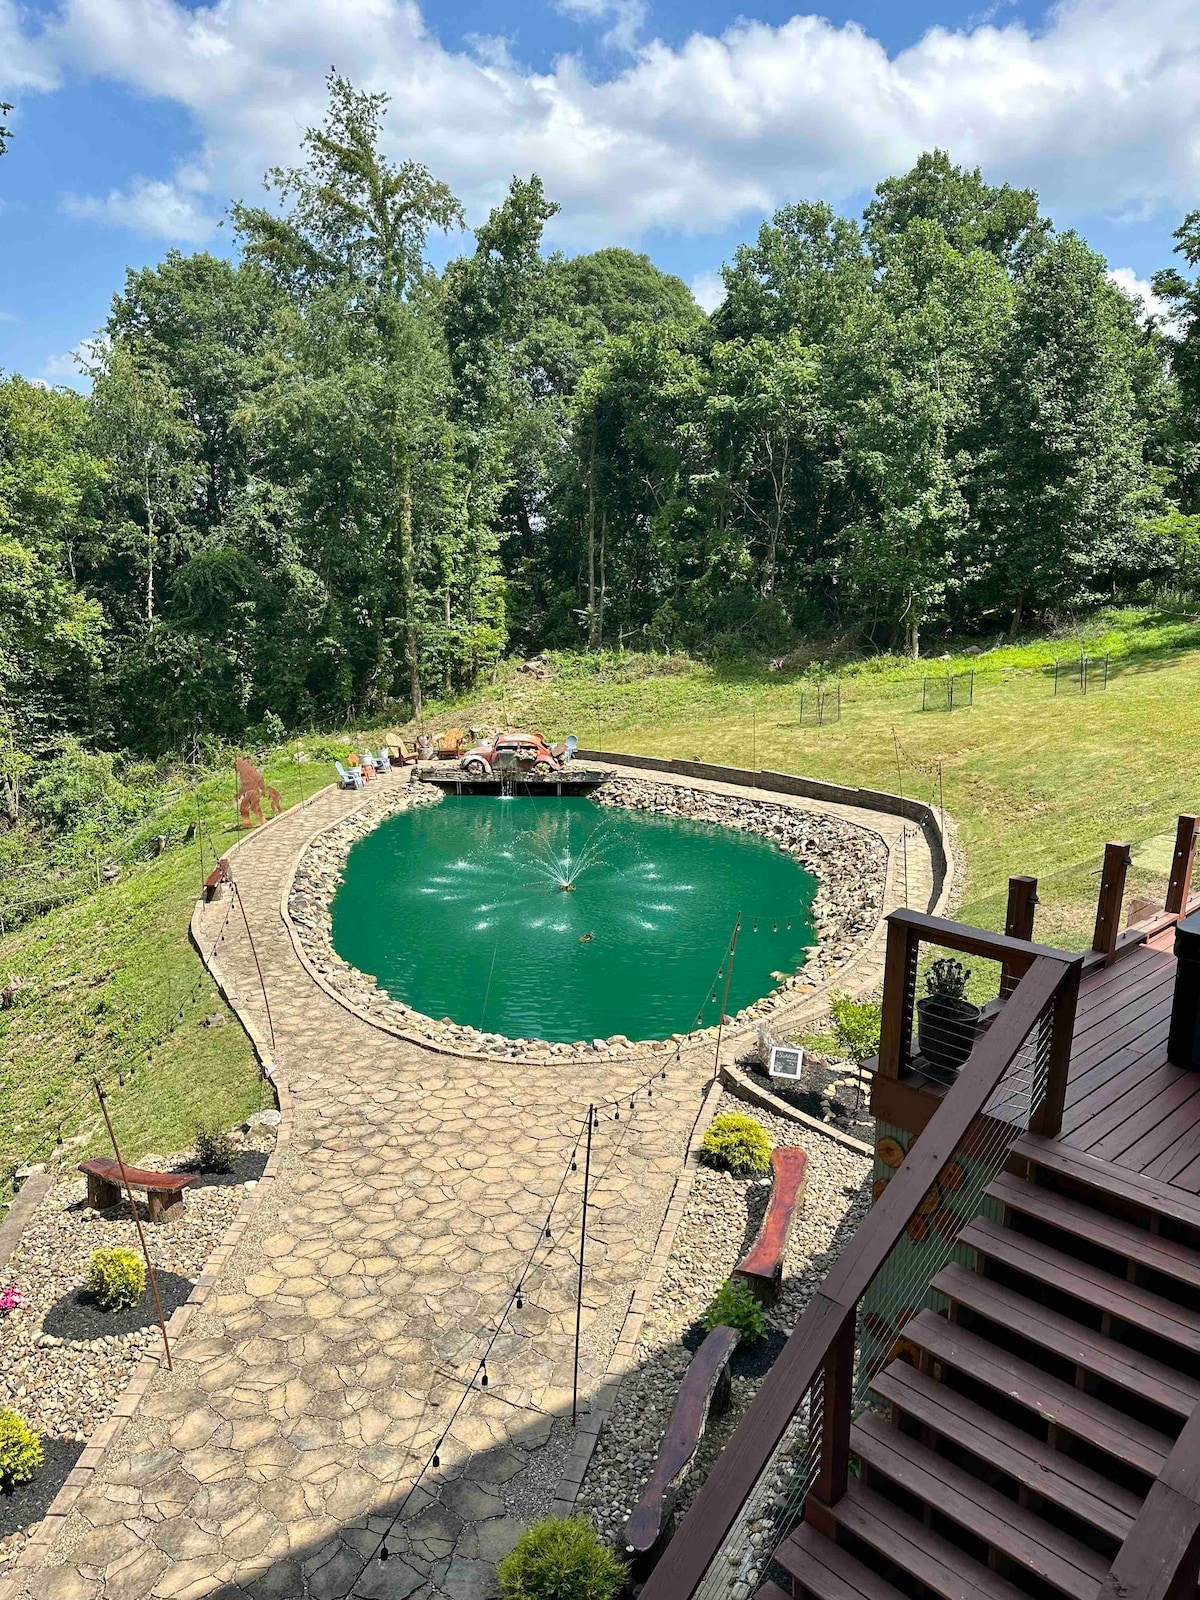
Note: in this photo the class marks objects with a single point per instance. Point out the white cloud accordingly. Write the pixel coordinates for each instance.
(1098, 109)
(627, 18)
(1137, 288)
(150, 206)
(709, 290)
(24, 63)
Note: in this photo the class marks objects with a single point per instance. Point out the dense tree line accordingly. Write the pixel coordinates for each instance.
(325, 478)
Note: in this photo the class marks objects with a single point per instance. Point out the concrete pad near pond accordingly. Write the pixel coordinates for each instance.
(328, 1351)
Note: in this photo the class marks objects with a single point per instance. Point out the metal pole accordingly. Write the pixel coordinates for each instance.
(924, 692)
(903, 822)
(1106, 669)
(753, 739)
(971, 696)
(725, 997)
(253, 951)
(587, 1174)
(1056, 674)
(136, 1219)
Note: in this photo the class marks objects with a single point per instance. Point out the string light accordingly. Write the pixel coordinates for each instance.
(520, 1299)
(483, 1380)
(384, 1552)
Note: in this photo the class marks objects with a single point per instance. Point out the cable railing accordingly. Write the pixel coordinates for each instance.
(794, 1441)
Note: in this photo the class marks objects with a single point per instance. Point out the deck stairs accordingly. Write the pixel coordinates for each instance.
(1011, 1462)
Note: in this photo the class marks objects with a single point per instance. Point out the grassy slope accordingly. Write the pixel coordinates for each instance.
(107, 976)
(1037, 784)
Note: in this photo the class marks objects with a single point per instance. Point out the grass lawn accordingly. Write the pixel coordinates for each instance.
(1036, 782)
(105, 978)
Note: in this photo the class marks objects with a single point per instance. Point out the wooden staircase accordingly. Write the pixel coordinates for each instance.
(1012, 1463)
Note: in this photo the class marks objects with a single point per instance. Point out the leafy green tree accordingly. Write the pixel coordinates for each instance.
(5, 133)
(1182, 337)
(1064, 487)
(806, 270)
(972, 214)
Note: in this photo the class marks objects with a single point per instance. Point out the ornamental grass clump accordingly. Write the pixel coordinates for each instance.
(560, 1558)
(736, 1143)
(116, 1277)
(734, 1306)
(215, 1149)
(20, 1451)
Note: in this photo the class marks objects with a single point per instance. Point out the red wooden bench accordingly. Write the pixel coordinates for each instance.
(762, 1265)
(703, 1392)
(164, 1190)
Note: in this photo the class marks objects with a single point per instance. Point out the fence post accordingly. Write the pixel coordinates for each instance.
(1018, 922)
(837, 1406)
(1056, 674)
(924, 693)
(1180, 883)
(1108, 904)
(971, 696)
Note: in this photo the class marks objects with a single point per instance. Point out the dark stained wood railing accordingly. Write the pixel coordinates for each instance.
(821, 1349)
(1160, 1559)
(1109, 902)
(1180, 885)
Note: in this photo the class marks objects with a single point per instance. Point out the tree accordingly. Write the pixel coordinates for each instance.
(140, 424)
(972, 214)
(5, 133)
(805, 272)
(1182, 338)
(1064, 486)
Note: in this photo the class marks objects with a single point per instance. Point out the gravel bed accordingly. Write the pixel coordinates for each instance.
(66, 1382)
(722, 1215)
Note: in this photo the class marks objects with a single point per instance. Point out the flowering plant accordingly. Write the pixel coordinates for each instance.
(10, 1297)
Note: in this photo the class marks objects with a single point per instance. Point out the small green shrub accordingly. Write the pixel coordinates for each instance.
(20, 1451)
(856, 1025)
(734, 1306)
(116, 1277)
(215, 1150)
(560, 1558)
(736, 1143)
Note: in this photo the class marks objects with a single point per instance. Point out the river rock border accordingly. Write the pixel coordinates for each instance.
(849, 863)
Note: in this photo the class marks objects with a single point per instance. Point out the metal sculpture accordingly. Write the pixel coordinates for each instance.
(252, 787)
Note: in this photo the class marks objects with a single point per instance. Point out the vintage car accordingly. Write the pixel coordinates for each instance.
(513, 752)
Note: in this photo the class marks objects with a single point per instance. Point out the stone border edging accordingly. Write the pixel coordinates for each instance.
(25, 1202)
(746, 1089)
(623, 1360)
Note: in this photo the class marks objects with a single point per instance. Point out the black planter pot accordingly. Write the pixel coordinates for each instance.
(946, 1032)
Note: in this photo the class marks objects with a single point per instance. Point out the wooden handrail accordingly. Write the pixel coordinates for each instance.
(1110, 900)
(1160, 1559)
(817, 1343)
(1180, 883)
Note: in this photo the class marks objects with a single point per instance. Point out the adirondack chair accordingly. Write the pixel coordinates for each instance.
(450, 744)
(383, 761)
(352, 779)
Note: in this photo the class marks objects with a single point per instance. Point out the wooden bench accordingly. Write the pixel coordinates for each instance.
(762, 1265)
(704, 1392)
(216, 879)
(164, 1190)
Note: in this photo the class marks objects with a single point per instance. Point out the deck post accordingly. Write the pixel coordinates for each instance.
(1108, 905)
(1180, 884)
(1046, 1118)
(837, 1406)
(899, 998)
(1018, 923)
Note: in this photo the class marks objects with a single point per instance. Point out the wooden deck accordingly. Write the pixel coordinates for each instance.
(1125, 1103)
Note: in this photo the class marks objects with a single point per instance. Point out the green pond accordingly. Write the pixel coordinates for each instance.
(459, 910)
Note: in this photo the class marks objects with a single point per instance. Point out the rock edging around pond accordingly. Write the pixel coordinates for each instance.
(848, 861)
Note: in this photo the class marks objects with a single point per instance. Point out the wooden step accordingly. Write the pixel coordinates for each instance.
(1149, 1194)
(1074, 1488)
(1010, 1530)
(825, 1571)
(1138, 1245)
(1162, 1385)
(1104, 1291)
(913, 1549)
(1102, 1426)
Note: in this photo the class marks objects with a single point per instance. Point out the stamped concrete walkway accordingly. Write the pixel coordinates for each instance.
(323, 1367)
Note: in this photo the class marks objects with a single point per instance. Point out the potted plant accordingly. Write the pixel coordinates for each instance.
(946, 1020)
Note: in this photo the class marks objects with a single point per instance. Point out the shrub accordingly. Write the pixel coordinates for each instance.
(734, 1306)
(856, 1026)
(116, 1277)
(215, 1150)
(20, 1451)
(736, 1143)
(560, 1558)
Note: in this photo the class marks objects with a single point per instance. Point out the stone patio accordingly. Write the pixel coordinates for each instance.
(316, 1377)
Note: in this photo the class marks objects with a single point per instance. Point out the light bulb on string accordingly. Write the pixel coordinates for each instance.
(756, 925)
(774, 927)
(520, 1299)
(437, 1460)
(384, 1552)
(483, 1376)
(547, 1230)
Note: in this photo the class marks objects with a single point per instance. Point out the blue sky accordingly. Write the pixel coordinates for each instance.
(667, 127)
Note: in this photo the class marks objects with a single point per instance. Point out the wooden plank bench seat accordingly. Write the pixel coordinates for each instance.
(164, 1190)
(762, 1265)
(704, 1392)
